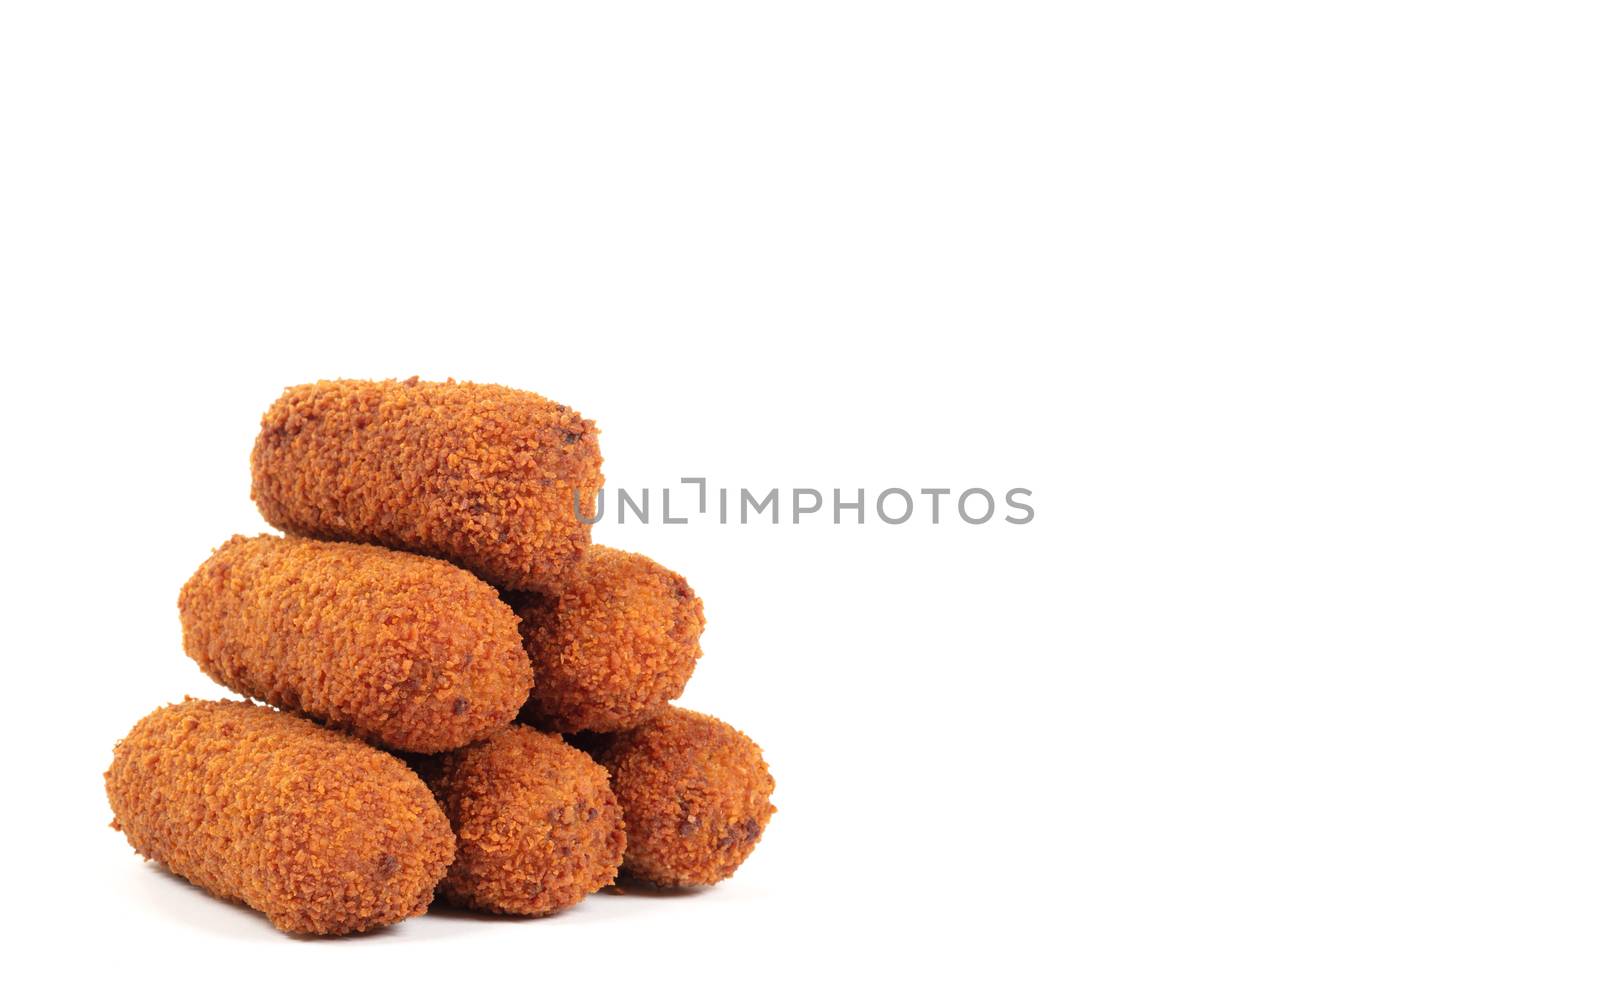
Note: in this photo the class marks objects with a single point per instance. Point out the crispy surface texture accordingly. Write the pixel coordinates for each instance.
(316, 830)
(536, 821)
(480, 475)
(695, 794)
(612, 646)
(403, 650)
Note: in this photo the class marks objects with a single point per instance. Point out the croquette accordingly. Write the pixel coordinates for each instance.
(314, 829)
(404, 650)
(480, 475)
(695, 794)
(537, 825)
(612, 646)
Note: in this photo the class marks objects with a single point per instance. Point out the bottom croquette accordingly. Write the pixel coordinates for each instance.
(695, 795)
(316, 830)
(537, 825)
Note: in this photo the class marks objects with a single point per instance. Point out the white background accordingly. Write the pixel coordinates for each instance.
(1286, 313)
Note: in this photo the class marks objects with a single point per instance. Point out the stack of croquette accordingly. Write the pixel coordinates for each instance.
(471, 700)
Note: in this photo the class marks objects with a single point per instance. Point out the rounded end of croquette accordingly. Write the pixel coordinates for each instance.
(612, 646)
(475, 473)
(537, 825)
(318, 831)
(696, 796)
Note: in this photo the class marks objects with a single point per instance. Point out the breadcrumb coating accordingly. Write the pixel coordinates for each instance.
(695, 795)
(480, 475)
(613, 645)
(314, 829)
(403, 650)
(536, 821)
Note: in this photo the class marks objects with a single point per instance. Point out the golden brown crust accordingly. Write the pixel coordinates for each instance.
(536, 821)
(403, 650)
(480, 475)
(613, 645)
(314, 829)
(695, 794)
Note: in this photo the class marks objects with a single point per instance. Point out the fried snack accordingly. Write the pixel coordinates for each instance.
(612, 646)
(695, 795)
(403, 650)
(537, 824)
(315, 830)
(480, 475)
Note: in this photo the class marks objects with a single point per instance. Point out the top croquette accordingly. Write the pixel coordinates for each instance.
(403, 650)
(613, 645)
(479, 475)
(315, 829)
